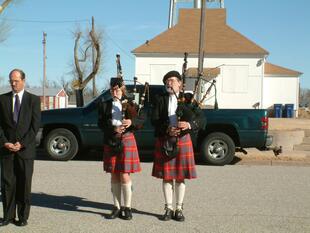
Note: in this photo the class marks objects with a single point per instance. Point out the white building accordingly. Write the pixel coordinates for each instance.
(281, 85)
(243, 79)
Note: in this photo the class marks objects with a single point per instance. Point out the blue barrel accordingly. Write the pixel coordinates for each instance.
(289, 110)
(278, 110)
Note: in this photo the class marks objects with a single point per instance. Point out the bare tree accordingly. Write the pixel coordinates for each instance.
(84, 69)
(1, 81)
(64, 84)
(4, 5)
(4, 26)
(304, 97)
(4, 30)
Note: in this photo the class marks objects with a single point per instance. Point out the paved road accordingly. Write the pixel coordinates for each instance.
(74, 197)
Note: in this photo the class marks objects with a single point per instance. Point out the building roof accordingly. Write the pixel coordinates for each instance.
(184, 36)
(35, 90)
(274, 70)
(208, 73)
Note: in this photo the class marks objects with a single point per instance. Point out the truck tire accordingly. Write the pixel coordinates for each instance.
(217, 149)
(61, 144)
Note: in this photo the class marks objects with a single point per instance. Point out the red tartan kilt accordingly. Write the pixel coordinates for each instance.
(180, 167)
(126, 162)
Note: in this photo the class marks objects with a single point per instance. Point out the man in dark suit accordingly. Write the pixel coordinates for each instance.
(20, 117)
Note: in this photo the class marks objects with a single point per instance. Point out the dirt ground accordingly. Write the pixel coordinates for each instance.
(254, 155)
(304, 113)
(289, 123)
(280, 124)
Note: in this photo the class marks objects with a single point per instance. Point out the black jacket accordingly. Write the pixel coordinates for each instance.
(105, 119)
(27, 127)
(160, 119)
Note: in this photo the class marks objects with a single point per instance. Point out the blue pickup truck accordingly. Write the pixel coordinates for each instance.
(65, 132)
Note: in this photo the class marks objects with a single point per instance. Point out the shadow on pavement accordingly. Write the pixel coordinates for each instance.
(68, 203)
(135, 211)
(78, 204)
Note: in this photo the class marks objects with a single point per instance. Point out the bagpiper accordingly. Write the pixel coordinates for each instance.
(174, 156)
(121, 157)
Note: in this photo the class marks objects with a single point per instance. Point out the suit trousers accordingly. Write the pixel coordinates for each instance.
(16, 179)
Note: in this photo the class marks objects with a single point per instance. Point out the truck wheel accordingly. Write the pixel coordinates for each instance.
(61, 144)
(218, 149)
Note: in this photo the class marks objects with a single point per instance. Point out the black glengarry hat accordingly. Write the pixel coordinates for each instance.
(172, 73)
(116, 82)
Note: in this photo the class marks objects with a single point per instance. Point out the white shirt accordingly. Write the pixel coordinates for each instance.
(172, 107)
(117, 113)
(20, 95)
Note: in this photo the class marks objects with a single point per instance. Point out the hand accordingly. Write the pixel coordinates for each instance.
(183, 125)
(119, 129)
(11, 147)
(173, 131)
(126, 123)
(18, 145)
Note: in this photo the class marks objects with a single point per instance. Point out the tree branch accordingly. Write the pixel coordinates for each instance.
(85, 54)
(96, 43)
(4, 5)
(76, 60)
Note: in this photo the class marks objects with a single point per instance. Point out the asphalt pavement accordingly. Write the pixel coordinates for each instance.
(75, 196)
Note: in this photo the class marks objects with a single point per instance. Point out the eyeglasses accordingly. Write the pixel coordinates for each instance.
(15, 81)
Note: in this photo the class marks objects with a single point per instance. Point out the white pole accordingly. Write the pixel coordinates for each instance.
(197, 4)
(171, 13)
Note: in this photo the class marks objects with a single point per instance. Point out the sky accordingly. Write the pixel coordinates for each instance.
(280, 27)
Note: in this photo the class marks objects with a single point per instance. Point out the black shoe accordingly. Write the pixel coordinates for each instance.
(167, 215)
(114, 214)
(21, 223)
(127, 213)
(5, 222)
(178, 215)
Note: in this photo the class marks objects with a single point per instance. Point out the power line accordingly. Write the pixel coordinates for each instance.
(118, 46)
(46, 21)
(68, 21)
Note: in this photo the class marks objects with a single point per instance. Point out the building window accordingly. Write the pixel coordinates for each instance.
(50, 102)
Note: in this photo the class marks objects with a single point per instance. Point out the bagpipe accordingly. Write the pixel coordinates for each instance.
(188, 105)
(132, 105)
(131, 108)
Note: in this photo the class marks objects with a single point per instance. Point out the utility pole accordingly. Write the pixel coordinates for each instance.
(201, 46)
(44, 67)
(93, 56)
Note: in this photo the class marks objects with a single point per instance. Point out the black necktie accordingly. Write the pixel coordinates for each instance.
(16, 109)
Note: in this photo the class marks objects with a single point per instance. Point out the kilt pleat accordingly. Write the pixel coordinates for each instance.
(127, 161)
(180, 167)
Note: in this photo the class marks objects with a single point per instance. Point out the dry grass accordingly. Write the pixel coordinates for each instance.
(304, 113)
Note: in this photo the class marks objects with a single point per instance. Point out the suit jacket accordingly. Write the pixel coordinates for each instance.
(26, 128)
(160, 119)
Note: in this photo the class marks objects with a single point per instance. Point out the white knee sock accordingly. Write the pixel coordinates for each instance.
(179, 193)
(168, 193)
(127, 193)
(116, 191)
